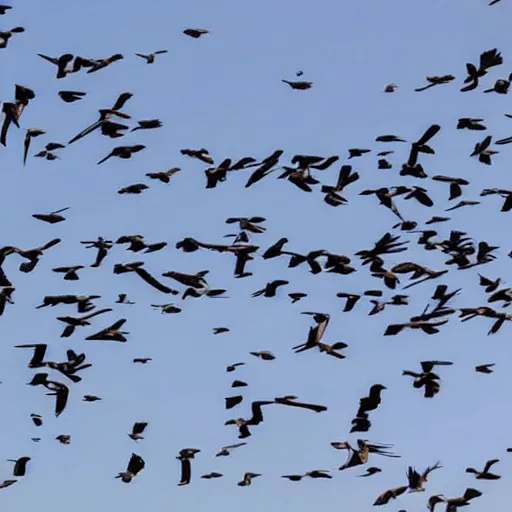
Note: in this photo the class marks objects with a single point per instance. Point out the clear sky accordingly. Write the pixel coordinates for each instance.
(224, 92)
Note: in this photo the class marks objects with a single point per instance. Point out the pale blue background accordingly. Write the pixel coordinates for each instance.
(224, 92)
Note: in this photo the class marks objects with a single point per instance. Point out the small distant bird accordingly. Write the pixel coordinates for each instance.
(163, 176)
(71, 96)
(136, 188)
(37, 419)
(90, 398)
(299, 85)
(52, 217)
(266, 355)
(64, 438)
(150, 57)
(148, 124)
(196, 33)
(371, 471)
(232, 367)
(7, 483)
(211, 475)
(123, 299)
(485, 368)
(247, 480)
(124, 152)
(142, 360)
(220, 330)
(392, 87)
(226, 450)
(29, 135)
(297, 296)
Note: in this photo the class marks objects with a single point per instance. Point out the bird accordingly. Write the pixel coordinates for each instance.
(70, 273)
(163, 176)
(427, 379)
(150, 57)
(29, 135)
(270, 288)
(124, 152)
(247, 479)
(61, 63)
(142, 360)
(196, 33)
(390, 494)
(485, 368)
(135, 465)
(264, 354)
(71, 96)
(371, 471)
(185, 456)
(20, 466)
(52, 217)
(226, 450)
(299, 85)
(111, 333)
(417, 480)
(485, 473)
(137, 429)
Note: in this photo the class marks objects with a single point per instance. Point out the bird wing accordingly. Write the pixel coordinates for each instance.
(489, 464)
(186, 471)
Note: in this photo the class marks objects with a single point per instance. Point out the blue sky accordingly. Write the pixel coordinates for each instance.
(224, 92)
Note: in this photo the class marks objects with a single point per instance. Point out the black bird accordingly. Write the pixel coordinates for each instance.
(185, 456)
(61, 63)
(74, 322)
(124, 152)
(20, 465)
(135, 466)
(470, 123)
(103, 63)
(105, 115)
(29, 135)
(110, 333)
(270, 288)
(137, 268)
(52, 217)
(137, 429)
(299, 85)
(71, 96)
(247, 479)
(488, 59)
(37, 360)
(147, 124)
(372, 401)
(163, 176)
(436, 80)
(485, 368)
(456, 185)
(256, 418)
(485, 474)
(103, 247)
(196, 33)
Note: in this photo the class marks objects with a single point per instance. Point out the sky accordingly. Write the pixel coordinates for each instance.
(224, 92)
